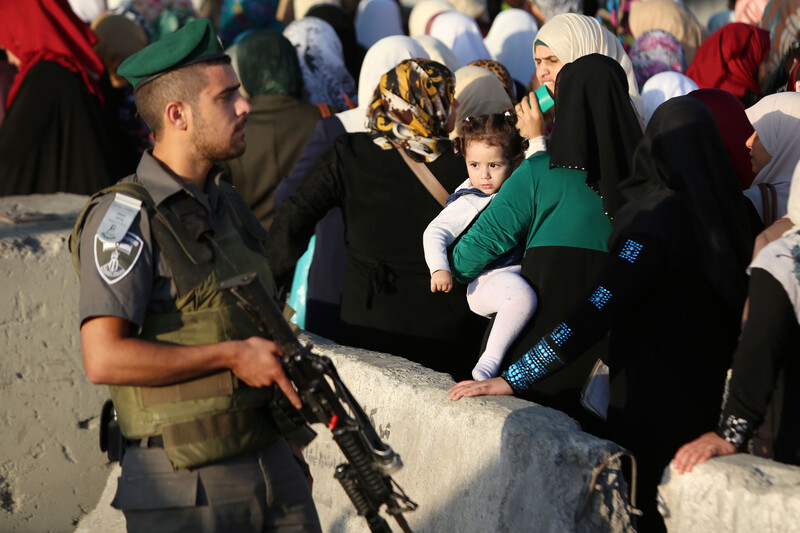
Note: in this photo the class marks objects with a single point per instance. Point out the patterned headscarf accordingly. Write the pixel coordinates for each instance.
(501, 72)
(410, 108)
(325, 76)
(656, 51)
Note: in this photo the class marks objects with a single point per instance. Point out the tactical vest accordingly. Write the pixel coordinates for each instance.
(216, 416)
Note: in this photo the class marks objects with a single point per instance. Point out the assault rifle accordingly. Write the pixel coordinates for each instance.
(366, 478)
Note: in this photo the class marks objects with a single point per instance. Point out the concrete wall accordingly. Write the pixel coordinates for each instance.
(489, 464)
(51, 471)
(736, 494)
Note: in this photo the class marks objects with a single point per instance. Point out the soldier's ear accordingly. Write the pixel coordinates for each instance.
(177, 115)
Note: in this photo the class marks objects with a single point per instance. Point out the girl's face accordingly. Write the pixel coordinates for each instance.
(486, 165)
(548, 65)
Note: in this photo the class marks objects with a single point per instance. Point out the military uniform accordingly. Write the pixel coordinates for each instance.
(251, 489)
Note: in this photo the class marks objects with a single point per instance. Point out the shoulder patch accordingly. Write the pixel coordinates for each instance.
(114, 260)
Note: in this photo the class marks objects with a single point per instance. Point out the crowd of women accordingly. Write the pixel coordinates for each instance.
(643, 234)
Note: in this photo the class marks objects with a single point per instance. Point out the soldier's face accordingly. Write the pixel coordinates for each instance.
(220, 115)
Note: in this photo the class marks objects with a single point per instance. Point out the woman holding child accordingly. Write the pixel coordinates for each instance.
(556, 206)
(671, 293)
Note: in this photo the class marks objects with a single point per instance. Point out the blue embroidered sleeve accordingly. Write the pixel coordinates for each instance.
(537, 363)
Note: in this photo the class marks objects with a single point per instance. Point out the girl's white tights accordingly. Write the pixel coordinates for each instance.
(504, 292)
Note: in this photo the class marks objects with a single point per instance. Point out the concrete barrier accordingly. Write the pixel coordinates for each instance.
(487, 464)
(735, 494)
(51, 471)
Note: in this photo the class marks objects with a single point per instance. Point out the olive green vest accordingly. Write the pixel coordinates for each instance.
(217, 416)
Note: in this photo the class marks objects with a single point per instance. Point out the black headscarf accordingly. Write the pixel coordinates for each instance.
(268, 64)
(684, 192)
(595, 127)
(343, 24)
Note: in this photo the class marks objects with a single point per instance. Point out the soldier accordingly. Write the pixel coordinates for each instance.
(189, 373)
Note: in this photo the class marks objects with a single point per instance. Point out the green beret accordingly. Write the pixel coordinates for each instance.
(194, 43)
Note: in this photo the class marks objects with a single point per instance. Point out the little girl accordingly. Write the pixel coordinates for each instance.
(492, 148)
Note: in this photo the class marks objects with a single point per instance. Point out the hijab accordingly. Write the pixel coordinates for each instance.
(325, 76)
(118, 38)
(682, 191)
(662, 87)
(302, 7)
(48, 30)
(551, 8)
(376, 19)
(734, 128)
(595, 127)
(671, 17)
(384, 55)
(571, 36)
(730, 58)
(782, 20)
(479, 92)
(500, 71)
(438, 51)
(268, 64)
(776, 119)
(781, 258)
(87, 10)
(411, 107)
(510, 40)
(749, 11)
(461, 34)
(238, 16)
(653, 52)
(423, 13)
(342, 23)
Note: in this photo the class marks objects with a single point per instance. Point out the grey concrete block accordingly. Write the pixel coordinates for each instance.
(737, 494)
(51, 470)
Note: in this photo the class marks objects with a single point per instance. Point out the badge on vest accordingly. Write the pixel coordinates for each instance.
(115, 259)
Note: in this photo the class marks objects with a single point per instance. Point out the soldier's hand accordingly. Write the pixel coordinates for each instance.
(258, 364)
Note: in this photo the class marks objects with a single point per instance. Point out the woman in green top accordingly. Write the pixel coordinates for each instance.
(560, 206)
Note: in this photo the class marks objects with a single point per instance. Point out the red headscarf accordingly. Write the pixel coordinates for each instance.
(729, 59)
(48, 30)
(734, 128)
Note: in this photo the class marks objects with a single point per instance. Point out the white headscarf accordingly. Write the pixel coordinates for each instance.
(376, 19)
(510, 40)
(325, 76)
(663, 86)
(479, 92)
(423, 12)
(461, 34)
(571, 36)
(382, 57)
(438, 51)
(781, 257)
(88, 10)
(776, 119)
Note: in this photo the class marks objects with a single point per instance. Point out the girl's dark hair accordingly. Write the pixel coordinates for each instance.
(498, 129)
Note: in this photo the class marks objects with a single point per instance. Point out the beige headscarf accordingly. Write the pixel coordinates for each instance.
(479, 92)
(423, 12)
(670, 17)
(117, 39)
(572, 36)
(438, 51)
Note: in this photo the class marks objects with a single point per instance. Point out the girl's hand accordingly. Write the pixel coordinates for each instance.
(701, 450)
(441, 280)
(489, 387)
(530, 120)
